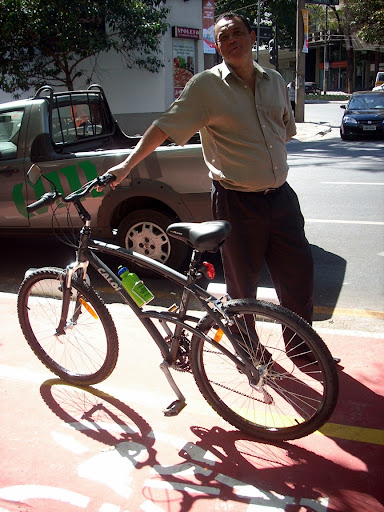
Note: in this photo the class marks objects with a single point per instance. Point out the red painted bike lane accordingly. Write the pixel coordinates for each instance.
(108, 448)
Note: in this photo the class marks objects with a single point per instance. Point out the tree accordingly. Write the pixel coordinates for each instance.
(279, 13)
(367, 19)
(48, 41)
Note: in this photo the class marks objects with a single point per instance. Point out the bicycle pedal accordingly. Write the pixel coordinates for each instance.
(175, 408)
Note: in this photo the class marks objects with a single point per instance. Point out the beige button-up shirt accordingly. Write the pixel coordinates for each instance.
(243, 134)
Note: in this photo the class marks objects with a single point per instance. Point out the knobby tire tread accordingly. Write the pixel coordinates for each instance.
(95, 301)
(311, 338)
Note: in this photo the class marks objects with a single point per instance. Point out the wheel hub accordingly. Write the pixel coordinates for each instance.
(150, 240)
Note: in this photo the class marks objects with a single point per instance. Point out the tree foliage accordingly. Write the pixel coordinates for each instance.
(48, 41)
(278, 13)
(367, 19)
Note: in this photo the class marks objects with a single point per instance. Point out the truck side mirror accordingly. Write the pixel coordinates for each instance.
(34, 174)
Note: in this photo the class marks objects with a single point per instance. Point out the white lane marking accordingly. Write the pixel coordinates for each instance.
(25, 492)
(335, 221)
(69, 443)
(350, 183)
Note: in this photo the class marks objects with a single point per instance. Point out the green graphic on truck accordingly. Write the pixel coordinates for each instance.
(70, 173)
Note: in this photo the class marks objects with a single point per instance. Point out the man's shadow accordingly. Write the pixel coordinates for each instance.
(329, 276)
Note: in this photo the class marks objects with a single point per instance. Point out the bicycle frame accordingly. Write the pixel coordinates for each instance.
(86, 256)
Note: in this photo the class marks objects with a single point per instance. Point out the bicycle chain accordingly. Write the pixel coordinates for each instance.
(237, 392)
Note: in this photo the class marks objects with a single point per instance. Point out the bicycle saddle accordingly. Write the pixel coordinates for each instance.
(203, 236)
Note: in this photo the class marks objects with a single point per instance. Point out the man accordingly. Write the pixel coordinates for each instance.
(292, 94)
(244, 117)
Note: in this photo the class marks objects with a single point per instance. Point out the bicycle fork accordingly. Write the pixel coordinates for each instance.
(66, 286)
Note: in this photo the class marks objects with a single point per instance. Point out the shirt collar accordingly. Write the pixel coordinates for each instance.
(227, 70)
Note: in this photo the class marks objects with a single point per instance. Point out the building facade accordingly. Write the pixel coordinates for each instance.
(137, 96)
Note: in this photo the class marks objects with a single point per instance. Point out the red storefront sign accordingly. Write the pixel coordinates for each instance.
(186, 32)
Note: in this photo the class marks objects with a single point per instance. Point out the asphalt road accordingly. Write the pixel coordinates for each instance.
(340, 186)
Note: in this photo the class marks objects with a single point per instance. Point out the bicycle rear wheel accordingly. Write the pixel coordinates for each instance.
(87, 352)
(294, 387)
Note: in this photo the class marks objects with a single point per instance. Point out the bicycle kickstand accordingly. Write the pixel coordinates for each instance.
(178, 405)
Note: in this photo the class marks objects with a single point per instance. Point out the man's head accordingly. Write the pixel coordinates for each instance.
(230, 16)
(234, 38)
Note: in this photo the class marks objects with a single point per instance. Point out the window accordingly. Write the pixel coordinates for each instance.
(79, 116)
(10, 123)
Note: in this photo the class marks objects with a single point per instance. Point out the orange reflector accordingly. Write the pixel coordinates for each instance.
(218, 335)
(90, 310)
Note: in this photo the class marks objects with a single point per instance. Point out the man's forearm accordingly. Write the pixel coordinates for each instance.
(151, 139)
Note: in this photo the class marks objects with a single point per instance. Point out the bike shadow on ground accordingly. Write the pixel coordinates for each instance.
(219, 463)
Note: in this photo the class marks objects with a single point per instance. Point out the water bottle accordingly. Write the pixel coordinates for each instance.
(135, 287)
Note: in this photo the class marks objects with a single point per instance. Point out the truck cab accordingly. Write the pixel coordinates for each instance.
(73, 137)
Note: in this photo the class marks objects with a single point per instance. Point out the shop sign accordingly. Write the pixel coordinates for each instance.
(186, 33)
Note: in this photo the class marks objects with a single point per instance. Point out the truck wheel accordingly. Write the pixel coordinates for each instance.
(144, 231)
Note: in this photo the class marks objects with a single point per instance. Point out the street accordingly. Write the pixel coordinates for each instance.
(341, 190)
(109, 448)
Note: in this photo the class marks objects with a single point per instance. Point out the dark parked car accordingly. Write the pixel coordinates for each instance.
(364, 115)
(312, 88)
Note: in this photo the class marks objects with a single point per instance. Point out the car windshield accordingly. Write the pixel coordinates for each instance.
(367, 102)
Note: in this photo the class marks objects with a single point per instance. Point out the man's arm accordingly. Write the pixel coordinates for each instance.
(151, 139)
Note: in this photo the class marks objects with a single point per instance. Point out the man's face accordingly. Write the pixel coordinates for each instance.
(233, 40)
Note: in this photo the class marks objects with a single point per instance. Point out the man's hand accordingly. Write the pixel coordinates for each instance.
(120, 171)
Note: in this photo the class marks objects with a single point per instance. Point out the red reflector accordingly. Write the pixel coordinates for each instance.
(209, 270)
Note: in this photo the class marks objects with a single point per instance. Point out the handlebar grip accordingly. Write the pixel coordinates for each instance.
(45, 200)
(105, 179)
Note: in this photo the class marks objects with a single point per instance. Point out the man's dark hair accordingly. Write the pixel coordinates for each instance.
(230, 15)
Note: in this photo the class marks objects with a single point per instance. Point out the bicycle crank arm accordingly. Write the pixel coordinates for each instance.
(178, 405)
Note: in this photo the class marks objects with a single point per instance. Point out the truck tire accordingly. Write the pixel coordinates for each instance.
(144, 231)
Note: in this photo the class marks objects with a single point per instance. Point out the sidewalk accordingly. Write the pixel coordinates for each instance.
(311, 131)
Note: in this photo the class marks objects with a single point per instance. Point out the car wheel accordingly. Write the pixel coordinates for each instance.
(144, 231)
(345, 136)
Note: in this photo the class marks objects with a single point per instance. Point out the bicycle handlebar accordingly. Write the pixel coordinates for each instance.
(50, 197)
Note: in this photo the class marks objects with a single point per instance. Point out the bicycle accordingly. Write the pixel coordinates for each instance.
(258, 365)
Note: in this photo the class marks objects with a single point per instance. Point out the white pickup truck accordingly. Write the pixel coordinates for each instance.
(73, 137)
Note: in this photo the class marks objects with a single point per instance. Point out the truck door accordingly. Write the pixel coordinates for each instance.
(12, 172)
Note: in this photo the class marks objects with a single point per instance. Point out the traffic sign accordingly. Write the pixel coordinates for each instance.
(265, 31)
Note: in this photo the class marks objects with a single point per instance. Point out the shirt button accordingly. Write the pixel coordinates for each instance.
(270, 146)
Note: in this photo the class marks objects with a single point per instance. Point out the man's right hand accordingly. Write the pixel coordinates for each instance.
(121, 171)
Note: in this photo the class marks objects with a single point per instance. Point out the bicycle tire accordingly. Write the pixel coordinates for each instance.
(300, 376)
(87, 353)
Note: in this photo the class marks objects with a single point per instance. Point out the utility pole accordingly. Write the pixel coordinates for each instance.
(300, 63)
(326, 60)
(258, 31)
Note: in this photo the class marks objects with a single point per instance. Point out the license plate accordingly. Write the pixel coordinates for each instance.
(369, 127)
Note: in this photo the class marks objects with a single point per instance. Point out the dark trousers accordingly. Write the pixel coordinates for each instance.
(266, 228)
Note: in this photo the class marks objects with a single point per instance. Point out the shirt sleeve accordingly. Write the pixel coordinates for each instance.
(185, 116)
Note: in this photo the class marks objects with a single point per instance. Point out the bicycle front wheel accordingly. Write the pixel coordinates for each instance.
(291, 386)
(87, 351)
